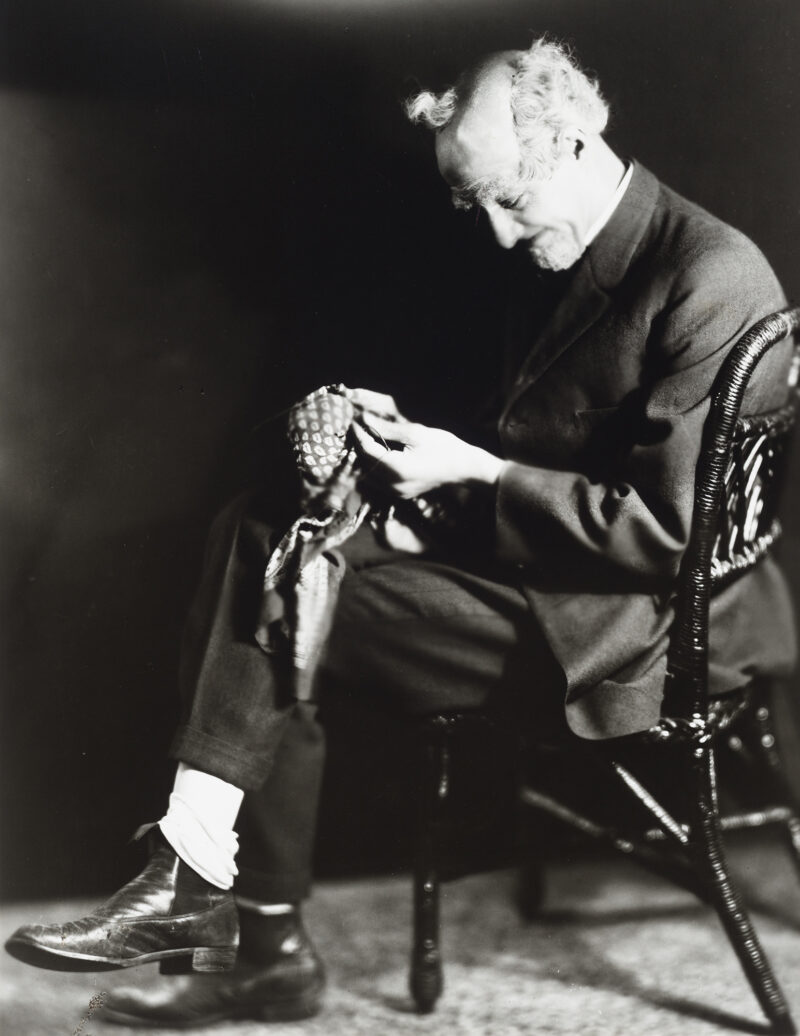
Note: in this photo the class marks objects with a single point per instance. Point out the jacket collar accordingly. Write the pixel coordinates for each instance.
(613, 250)
(599, 271)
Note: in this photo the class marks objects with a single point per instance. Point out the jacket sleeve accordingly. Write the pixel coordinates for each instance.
(637, 518)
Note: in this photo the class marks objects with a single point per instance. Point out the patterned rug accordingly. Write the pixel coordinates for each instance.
(614, 951)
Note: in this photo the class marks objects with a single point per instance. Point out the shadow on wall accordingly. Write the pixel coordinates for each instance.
(209, 210)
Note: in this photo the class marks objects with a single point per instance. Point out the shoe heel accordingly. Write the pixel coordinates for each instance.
(181, 965)
(291, 1010)
(202, 959)
(214, 958)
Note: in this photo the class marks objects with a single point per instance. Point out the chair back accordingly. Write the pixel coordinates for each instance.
(748, 522)
(738, 485)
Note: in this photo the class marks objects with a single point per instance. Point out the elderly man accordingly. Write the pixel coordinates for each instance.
(546, 596)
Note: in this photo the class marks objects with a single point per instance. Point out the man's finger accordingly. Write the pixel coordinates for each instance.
(367, 443)
(374, 402)
(385, 429)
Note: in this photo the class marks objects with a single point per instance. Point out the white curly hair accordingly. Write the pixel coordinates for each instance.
(549, 93)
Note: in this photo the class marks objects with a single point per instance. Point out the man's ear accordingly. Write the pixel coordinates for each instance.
(575, 143)
(572, 142)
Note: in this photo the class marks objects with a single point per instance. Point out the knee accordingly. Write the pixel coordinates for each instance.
(240, 527)
(229, 518)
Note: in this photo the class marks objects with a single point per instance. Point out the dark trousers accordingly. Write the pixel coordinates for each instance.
(413, 634)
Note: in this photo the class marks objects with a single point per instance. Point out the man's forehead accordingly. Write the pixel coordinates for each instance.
(480, 144)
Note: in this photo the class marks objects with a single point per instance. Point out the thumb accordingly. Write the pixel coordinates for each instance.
(386, 429)
(366, 443)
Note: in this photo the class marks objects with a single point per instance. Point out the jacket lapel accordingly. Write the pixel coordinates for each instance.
(582, 304)
(601, 269)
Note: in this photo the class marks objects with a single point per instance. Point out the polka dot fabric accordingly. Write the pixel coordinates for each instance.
(317, 430)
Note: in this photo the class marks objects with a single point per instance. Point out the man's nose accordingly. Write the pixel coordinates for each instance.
(505, 230)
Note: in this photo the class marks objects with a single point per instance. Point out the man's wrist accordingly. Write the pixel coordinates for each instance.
(488, 468)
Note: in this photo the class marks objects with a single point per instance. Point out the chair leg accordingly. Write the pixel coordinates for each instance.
(726, 899)
(426, 978)
(772, 766)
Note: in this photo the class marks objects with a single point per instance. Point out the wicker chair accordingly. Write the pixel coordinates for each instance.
(735, 524)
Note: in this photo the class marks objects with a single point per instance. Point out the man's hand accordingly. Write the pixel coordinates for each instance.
(412, 459)
(378, 403)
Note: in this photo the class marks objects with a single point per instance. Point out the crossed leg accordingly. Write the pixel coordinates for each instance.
(412, 634)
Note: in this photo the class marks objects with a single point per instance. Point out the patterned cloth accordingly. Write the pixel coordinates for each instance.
(302, 578)
(303, 574)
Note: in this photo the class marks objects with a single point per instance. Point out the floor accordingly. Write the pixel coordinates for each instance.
(614, 951)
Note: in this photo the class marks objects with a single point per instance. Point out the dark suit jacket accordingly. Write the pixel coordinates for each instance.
(603, 427)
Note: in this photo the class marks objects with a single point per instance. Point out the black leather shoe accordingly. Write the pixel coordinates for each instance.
(168, 913)
(285, 987)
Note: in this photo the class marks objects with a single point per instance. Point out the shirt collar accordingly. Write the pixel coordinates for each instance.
(609, 210)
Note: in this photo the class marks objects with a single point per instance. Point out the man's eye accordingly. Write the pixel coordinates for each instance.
(511, 203)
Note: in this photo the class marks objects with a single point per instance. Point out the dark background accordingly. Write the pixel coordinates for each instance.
(209, 209)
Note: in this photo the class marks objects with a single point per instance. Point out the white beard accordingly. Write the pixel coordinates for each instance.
(555, 250)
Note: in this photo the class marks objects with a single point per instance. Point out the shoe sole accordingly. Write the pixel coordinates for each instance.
(203, 958)
(305, 1006)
